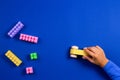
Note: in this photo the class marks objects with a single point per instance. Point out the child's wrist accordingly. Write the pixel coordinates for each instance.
(104, 63)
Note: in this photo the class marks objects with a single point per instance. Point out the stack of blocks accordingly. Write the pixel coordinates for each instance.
(29, 70)
(15, 29)
(10, 55)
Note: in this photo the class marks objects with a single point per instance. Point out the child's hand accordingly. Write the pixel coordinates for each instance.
(96, 56)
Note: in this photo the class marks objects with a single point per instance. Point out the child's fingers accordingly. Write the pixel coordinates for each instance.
(93, 49)
(90, 53)
(90, 49)
(99, 48)
(88, 58)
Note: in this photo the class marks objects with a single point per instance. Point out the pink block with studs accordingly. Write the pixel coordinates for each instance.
(29, 70)
(28, 38)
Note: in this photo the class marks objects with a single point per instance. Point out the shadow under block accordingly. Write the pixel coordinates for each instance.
(11, 56)
(77, 52)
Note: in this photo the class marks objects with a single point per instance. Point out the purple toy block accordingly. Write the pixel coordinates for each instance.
(15, 29)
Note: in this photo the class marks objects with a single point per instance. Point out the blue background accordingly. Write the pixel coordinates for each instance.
(59, 24)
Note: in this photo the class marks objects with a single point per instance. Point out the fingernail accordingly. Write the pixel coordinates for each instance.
(96, 45)
(83, 57)
(85, 48)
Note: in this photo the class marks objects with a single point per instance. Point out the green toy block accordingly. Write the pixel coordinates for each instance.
(33, 56)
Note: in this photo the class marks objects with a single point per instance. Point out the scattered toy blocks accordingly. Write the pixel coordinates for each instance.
(75, 51)
(15, 29)
(29, 70)
(10, 55)
(28, 38)
(33, 56)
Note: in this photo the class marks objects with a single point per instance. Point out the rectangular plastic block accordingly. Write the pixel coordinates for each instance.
(29, 70)
(28, 38)
(78, 52)
(15, 29)
(10, 55)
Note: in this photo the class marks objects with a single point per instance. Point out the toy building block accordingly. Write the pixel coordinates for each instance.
(28, 38)
(29, 70)
(15, 29)
(10, 55)
(75, 51)
(33, 56)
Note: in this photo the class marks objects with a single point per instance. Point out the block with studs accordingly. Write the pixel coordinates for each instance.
(75, 51)
(28, 38)
(29, 70)
(15, 29)
(11, 56)
(33, 56)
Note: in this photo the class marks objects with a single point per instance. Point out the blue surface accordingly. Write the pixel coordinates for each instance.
(59, 24)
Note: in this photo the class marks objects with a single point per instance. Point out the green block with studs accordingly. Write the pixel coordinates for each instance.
(33, 56)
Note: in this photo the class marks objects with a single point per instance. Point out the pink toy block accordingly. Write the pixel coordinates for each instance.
(28, 38)
(29, 70)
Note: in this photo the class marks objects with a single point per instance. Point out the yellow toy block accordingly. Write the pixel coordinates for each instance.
(75, 51)
(10, 55)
